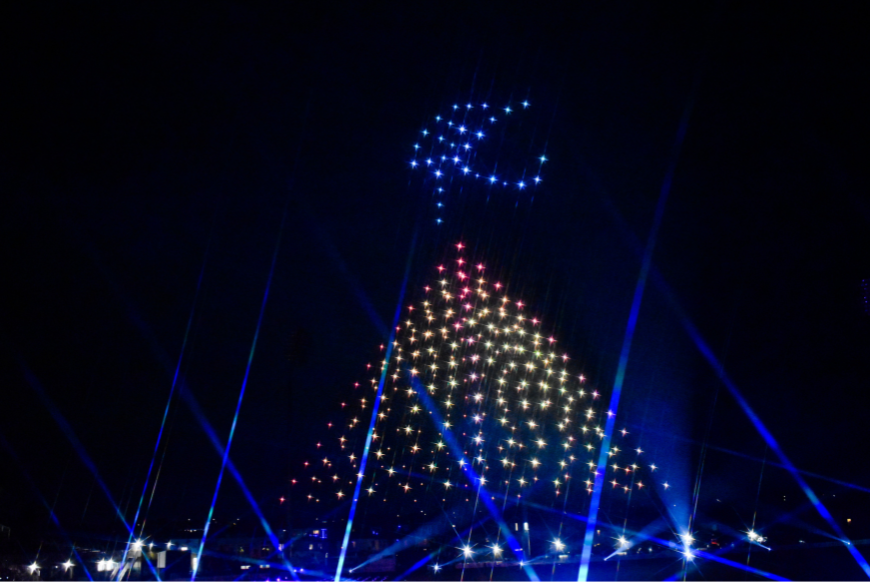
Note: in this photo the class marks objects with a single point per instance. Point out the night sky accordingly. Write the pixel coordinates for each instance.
(155, 158)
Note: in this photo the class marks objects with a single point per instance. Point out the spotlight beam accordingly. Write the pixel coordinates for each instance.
(363, 460)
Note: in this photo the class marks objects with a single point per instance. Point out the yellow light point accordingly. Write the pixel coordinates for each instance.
(370, 490)
(342, 440)
(532, 424)
(443, 281)
(352, 457)
(448, 484)
(482, 480)
(511, 442)
(448, 403)
(432, 466)
(406, 487)
(521, 481)
(665, 485)
(391, 471)
(415, 409)
(490, 361)
(409, 429)
(653, 467)
(525, 404)
(478, 397)
(640, 485)
(414, 372)
(535, 463)
(379, 454)
(340, 494)
(447, 424)
(503, 420)
(440, 445)
(541, 443)
(453, 383)
(545, 403)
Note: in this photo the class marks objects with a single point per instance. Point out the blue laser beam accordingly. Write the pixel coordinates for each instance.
(168, 404)
(218, 446)
(375, 408)
(646, 264)
(242, 390)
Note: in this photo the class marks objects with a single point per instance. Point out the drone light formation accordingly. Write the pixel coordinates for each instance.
(467, 146)
(480, 412)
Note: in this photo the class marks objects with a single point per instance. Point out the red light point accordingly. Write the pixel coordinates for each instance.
(460, 246)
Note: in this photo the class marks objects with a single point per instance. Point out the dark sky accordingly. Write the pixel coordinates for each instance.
(145, 146)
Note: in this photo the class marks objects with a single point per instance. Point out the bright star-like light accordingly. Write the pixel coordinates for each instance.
(557, 543)
(525, 104)
(467, 551)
